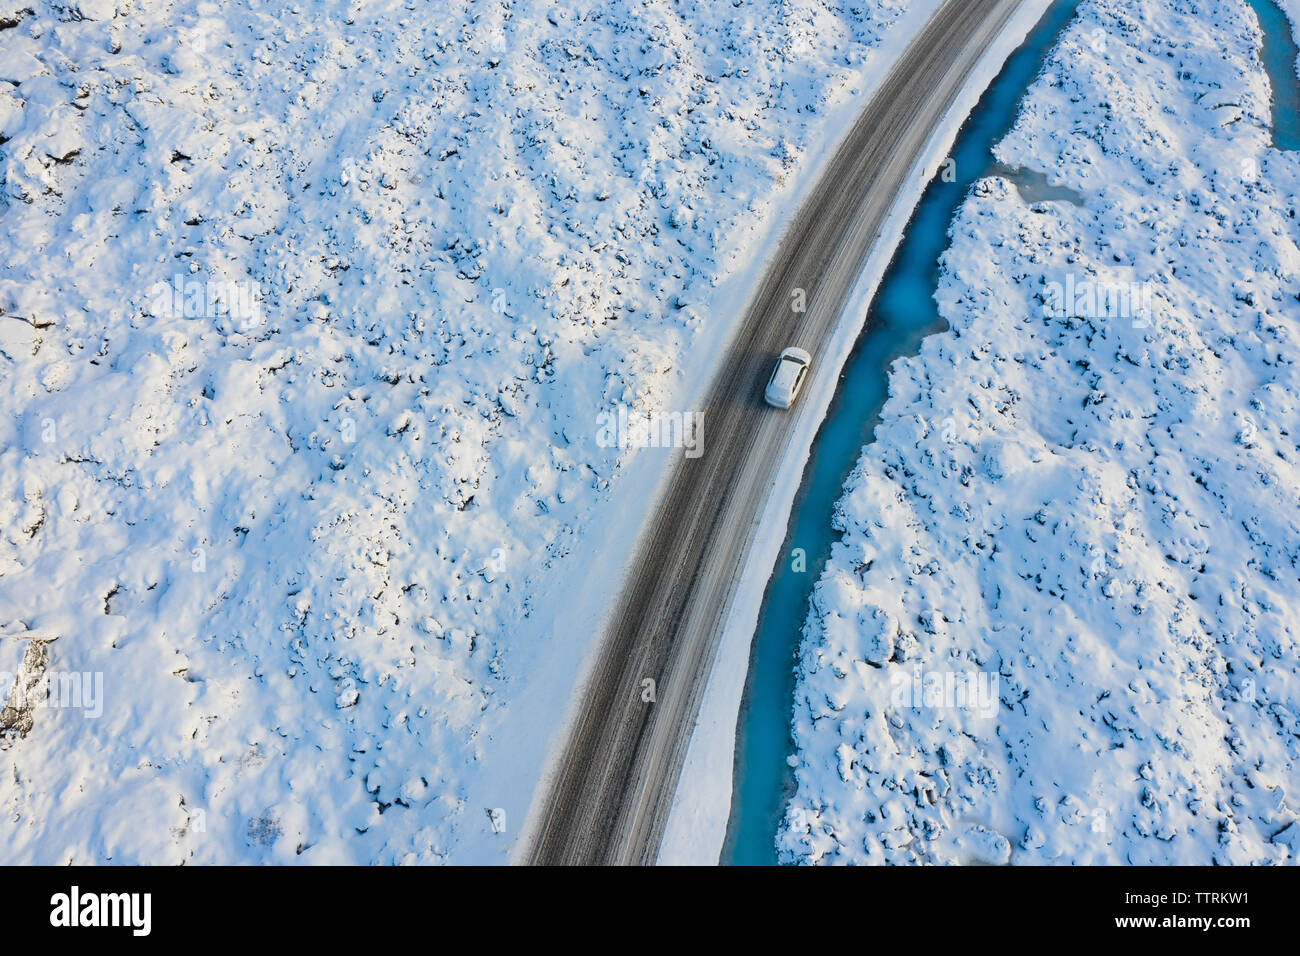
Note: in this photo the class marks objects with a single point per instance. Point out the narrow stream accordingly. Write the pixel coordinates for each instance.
(1280, 57)
(902, 313)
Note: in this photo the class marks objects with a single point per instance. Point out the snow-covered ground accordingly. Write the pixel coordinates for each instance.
(1061, 623)
(309, 314)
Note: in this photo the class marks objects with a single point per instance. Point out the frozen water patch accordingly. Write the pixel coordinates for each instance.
(1034, 186)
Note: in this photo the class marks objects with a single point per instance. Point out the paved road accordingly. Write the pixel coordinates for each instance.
(611, 791)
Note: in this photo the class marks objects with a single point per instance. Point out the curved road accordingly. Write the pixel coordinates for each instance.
(608, 797)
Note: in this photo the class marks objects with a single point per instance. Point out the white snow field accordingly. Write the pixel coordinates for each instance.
(1091, 512)
(307, 316)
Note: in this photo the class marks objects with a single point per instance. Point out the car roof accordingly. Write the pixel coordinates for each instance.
(786, 372)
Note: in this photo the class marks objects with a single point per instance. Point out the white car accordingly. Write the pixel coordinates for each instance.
(788, 377)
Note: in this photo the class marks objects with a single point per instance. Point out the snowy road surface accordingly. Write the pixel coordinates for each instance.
(609, 795)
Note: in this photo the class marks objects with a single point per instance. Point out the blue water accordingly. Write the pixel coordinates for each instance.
(1280, 58)
(901, 315)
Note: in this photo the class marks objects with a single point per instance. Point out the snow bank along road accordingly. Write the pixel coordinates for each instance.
(610, 793)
